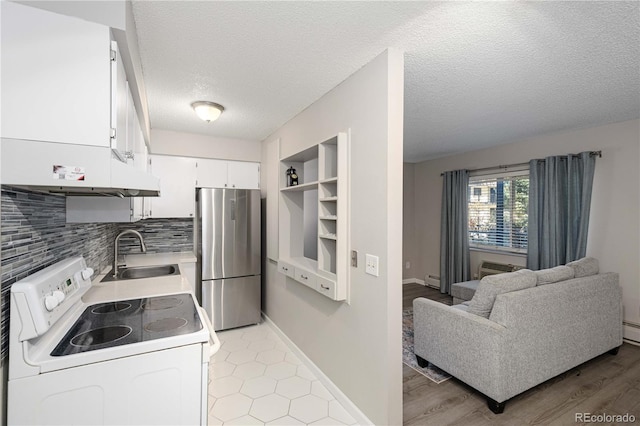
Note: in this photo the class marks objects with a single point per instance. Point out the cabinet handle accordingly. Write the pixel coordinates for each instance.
(303, 277)
(285, 269)
(324, 288)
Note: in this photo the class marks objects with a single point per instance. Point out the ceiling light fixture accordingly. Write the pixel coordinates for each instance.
(208, 111)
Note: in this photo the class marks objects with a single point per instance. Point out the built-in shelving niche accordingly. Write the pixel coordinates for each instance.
(313, 216)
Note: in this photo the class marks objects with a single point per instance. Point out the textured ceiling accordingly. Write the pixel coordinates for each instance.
(477, 74)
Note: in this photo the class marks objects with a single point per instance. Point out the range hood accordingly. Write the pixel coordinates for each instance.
(72, 170)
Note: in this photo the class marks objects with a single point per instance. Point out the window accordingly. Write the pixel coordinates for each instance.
(498, 212)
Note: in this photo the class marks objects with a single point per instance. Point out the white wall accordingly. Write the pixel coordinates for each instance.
(409, 253)
(169, 142)
(358, 346)
(615, 205)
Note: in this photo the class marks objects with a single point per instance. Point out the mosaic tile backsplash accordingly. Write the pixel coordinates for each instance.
(35, 235)
(160, 236)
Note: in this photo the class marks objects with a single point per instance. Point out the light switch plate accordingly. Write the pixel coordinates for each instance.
(371, 265)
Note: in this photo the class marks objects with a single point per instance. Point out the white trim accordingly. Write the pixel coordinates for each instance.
(505, 251)
(631, 333)
(413, 281)
(348, 405)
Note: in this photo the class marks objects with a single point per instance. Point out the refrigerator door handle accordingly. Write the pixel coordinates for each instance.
(233, 209)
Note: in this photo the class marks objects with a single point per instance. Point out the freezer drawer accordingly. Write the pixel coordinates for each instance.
(232, 302)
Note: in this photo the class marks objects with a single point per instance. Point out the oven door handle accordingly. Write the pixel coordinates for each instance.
(213, 339)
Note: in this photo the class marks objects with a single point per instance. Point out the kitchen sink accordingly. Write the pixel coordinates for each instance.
(138, 272)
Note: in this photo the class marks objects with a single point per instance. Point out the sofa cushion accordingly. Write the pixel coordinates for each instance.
(493, 285)
(462, 307)
(584, 267)
(464, 290)
(553, 275)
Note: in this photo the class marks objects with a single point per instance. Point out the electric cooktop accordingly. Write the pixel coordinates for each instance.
(106, 325)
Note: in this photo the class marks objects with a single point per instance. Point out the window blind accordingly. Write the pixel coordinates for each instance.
(498, 211)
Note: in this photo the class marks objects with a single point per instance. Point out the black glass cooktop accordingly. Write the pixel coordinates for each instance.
(106, 325)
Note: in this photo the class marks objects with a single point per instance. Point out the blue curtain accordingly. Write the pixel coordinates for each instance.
(559, 204)
(454, 233)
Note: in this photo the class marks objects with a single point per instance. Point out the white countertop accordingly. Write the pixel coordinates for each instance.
(144, 287)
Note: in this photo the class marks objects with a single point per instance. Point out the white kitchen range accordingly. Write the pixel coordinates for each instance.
(128, 352)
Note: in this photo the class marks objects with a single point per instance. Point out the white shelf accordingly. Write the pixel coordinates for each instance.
(313, 224)
(330, 180)
(301, 187)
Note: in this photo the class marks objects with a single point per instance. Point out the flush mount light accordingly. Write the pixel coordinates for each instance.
(208, 111)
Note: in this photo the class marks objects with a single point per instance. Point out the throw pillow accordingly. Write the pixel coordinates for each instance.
(585, 267)
(553, 275)
(493, 285)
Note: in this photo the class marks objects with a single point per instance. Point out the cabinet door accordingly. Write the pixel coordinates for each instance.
(211, 173)
(101, 209)
(119, 100)
(243, 175)
(177, 186)
(132, 130)
(55, 77)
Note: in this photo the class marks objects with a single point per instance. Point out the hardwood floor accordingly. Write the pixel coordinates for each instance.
(411, 291)
(607, 384)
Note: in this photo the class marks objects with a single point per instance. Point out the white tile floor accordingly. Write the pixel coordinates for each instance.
(255, 379)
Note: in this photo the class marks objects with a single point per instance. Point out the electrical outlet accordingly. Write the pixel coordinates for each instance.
(407, 265)
(371, 265)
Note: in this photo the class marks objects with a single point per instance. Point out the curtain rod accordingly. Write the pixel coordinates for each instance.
(506, 166)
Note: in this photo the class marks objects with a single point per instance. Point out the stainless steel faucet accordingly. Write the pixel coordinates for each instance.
(116, 246)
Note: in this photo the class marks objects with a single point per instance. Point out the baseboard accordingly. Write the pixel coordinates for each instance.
(348, 405)
(431, 283)
(413, 281)
(631, 333)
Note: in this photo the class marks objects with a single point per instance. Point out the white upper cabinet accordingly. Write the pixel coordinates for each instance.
(56, 77)
(120, 101)
(177, 186)
(243, 175)
(211, 173)
(227, 174)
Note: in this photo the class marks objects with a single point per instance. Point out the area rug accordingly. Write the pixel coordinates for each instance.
(409, 358)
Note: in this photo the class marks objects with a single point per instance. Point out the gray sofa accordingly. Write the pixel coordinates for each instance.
(552, 321)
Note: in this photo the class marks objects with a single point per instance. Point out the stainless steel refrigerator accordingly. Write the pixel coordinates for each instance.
(227, 242)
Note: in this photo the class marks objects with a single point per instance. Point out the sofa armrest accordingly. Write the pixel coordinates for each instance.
(455, 341)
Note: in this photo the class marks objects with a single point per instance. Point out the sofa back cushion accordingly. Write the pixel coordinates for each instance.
(554, 275)
(585, 267)
(493, 285)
